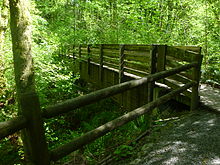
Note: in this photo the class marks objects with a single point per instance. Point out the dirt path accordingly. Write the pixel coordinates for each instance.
(210, 96)
(192, 139)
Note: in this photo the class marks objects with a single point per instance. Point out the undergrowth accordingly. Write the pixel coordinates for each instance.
(56, 83)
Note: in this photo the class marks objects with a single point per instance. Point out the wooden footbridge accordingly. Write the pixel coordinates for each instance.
(129, 73)
(107, 65)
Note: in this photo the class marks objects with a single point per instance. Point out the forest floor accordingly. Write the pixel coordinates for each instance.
(192, 138)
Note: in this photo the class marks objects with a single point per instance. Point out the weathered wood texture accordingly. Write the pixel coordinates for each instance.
(108, 70)
(11, 126)
(72, 104)
(135, 61)
(90, 136)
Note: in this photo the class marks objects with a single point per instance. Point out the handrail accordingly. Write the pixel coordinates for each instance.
(18, 123)
(90, 136)
(11, 126)
(74, 103)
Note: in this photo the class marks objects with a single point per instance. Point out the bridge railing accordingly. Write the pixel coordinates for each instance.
(19, 123)
(126, 61)
(16, 124)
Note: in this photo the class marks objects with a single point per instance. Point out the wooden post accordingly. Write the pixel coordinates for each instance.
(101, 65)
(161, 59)
(35, 146)
(150, 85)
(121, 63)
(88, 60)
(196, 72)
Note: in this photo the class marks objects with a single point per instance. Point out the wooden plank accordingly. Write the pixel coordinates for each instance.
(101, 65)
(94, 76)
(111, 65)
(137, 53)
(111, 51)
(146, 48)
(180, 78)
(138, 58)
(180, 54)
(112, 55)
(94, 55)
(121, 64)
(84, 53)
(175, 86)
(88, 60)
(138, 66)
(190, 48)
(183, 99)
(95, 50)
(186, 74)
(172, 63)
(83, 58)
(84, 48)
(135, 72)
(111, 60)
(94, 59)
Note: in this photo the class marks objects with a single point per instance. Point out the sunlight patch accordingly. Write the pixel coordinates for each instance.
(171, 160)
(216, 161)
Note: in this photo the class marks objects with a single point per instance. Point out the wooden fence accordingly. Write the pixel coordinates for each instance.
(20, 122)
(109, 64)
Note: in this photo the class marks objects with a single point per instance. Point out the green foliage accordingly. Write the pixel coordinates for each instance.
(146, 22)
(11, 151)
(61, 23)
(123, 151)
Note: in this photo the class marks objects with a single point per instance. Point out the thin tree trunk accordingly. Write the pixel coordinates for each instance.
(4, 14)
(33, 136)
(3, 22)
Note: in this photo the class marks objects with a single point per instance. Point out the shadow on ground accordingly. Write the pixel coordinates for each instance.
(210, 96)
(193, 139)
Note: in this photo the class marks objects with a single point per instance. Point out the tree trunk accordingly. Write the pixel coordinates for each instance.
(3, 22)
(33, 136)
(3, 27)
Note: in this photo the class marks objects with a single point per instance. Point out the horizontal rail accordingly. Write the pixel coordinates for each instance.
(11, 126)
(90, 136)
(72, 104)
